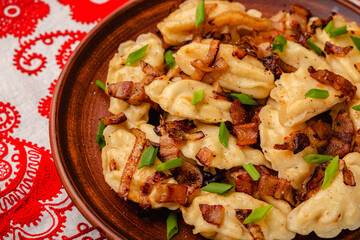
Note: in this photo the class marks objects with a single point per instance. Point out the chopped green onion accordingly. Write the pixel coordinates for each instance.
(198, 96)
(338, 31)
(330, 172)
(219, 188)
(169, 59)
(244, 99)
(329, 26)
(171, 225)
(317, 158)
(100, 139)
(257, 214)
(279, 43)
(317, 93)
(169, 165)
(315, 48)
(251, 170)
(356, 41)
(223, 135)
(136, 55)
(200, 13)
(148, 157)
(356, 108)
(100, 84)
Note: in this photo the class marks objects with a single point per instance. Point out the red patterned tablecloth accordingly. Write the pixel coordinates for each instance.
(36, 39)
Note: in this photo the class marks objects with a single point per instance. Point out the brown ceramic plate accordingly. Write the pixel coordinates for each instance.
(78, 104)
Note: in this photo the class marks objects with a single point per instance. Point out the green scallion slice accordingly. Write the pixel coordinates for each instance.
(356, 41)
(169, 165)
(136, 55)
(219, 188)
(338, 31)
(317, 158)
(317, 93)
(223, 135)
(251, 170)
(148, 157)
(198, 96)
(171, 225)
(257, 214)
(315, 48)
(200, 13)
(244, 99)
(279, 43)
(169, 59)
(330, 172)
(329, 26)
(100, 84)
(356, 108)
(100, 139)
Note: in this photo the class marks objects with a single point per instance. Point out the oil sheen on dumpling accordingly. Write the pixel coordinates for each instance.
(290, 93)
(331, 210)
(180, 24)
(273, 225)
(225, 158)
(246, 76)
(176, 99)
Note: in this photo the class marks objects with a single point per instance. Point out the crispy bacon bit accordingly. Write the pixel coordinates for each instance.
(242, 214)
(357, 66)
(247, 134)
(116, 119)
(348, 176)
(299, 17)
(255, 118)
(205, 156)
(337, 81)
(112, 165)
(132, 163)
(244, 183)
(180, 130)
(213, 214)
(152, 180)
(336, 50)
(278, 188)
(238, 52)
(190, 176)
(169, 148)
(272, 63)
(313, 184)
(238, 114)
(133, 93)
(254, 229)
(171, 192)
(150, 70)
(356, 147)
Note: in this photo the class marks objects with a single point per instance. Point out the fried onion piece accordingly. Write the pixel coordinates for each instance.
(336, 50)
(213, 214)
(348, 175)
(205, 156)
(357, 66)
(238, 114)
(115, 119)
(182, 130)
(190, 176)
(147, 187)
(337, 81)
(171, 192)
(313, 183)
(150, 70)
(239, 52)
(169, 148)
(247, 134)
(318, 23)
(112, 165)
(132, 163)
(272, 63)
(254, 229)
(356, 147)
(299, 17)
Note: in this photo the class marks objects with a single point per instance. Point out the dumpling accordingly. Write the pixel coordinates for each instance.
(180, 24)
(246, 76)
(290, 93)
(176, 99)
(225, 158)
(289, 165)
(273, 225)
(330, 210)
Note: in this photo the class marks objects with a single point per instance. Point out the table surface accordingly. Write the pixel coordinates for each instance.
(36, 39)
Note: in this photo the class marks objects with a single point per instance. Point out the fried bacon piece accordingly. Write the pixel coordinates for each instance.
(348, 176)
(205, 156)
(336, 50)
(337, 81)
(115, 119)
(171, 192)
(299, 17)
(247, 134)
(182, 130)
(272, 63)
(213, 214)
(238, 114)
(244, 183)
(132, 163)
(255, 118)
(152, 71)
(254, 229)
(356, 147)
(278, 188)
(169, 148)
(313, 183)
(357, 66)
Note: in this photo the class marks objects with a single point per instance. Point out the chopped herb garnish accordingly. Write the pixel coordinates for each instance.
(169, 59)
(315, 48)
(198, 96)
(317, 158)
(257, 214)
(171, 225)
(219, 188)
(100, 139)
(251, 170)
(329, 26)
(338, 31)
(136, 55)
(356, 108)
(169, 165)
(100, 84)
(330, 172)
(244, 99)
(223, 135)
(148, 157)
(200, 13)
(279, 43)
(317, 93)
(356, 41)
